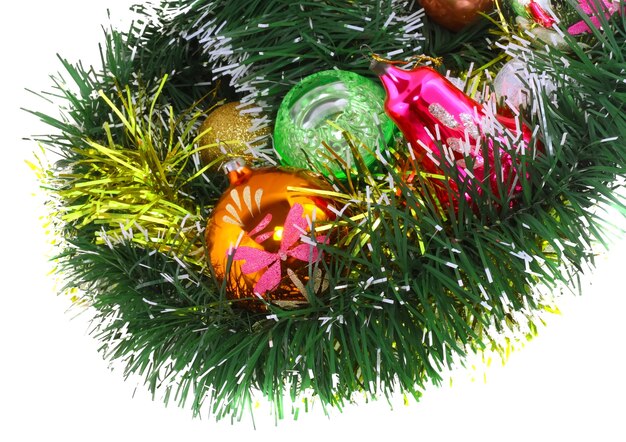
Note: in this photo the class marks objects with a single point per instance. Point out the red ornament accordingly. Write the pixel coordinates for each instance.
(540, 15)
(441, 123)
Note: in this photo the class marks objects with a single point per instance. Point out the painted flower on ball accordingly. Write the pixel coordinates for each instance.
(256, 259)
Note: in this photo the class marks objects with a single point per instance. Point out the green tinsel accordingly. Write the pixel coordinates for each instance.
(412, 289)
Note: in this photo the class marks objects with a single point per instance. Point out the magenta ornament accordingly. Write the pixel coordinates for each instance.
(589, 7)
(441, 123)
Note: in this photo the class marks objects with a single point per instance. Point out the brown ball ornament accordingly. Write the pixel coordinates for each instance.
(227, 131)
(258, 237)
(455, 14)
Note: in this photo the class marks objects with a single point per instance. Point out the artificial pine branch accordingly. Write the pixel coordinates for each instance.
(412, 288)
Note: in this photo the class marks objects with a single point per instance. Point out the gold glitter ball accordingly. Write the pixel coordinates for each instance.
(229, 133)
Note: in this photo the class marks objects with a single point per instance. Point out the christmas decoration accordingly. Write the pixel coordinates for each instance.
(513, 84)
(455, 14)
(542, 36)
(279, 43)
(441, 123)
(256, 237)
(408, 283)
(230, 130)
(536, 18)
(536, 10)
(317, 113)
(594, 9)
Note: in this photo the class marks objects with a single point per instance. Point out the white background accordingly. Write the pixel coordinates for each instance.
(567, 384)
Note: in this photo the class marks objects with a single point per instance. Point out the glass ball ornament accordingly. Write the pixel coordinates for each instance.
(259, 239)
(319, 110)
(455, 14)
(512, 83)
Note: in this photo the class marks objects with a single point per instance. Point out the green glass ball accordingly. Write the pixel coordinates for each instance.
(320, 109)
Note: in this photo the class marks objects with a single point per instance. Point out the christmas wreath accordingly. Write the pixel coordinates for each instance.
(405, 184)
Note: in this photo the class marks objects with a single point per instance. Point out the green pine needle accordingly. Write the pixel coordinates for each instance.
(413, 286)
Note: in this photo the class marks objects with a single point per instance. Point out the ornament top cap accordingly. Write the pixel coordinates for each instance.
(380, 65)
(237, 171)
(233, 165)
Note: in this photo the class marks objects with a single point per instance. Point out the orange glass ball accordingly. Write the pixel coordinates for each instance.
(259, 239)
(455, 14)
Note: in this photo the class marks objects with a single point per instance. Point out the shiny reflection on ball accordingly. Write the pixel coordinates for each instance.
(455, 14)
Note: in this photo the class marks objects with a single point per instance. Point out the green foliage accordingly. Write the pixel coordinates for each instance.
(127, 60)
(265, 47)
(113, 190)
(412, 288)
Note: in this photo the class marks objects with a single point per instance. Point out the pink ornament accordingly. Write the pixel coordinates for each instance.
(589, 7)
(441, 123)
